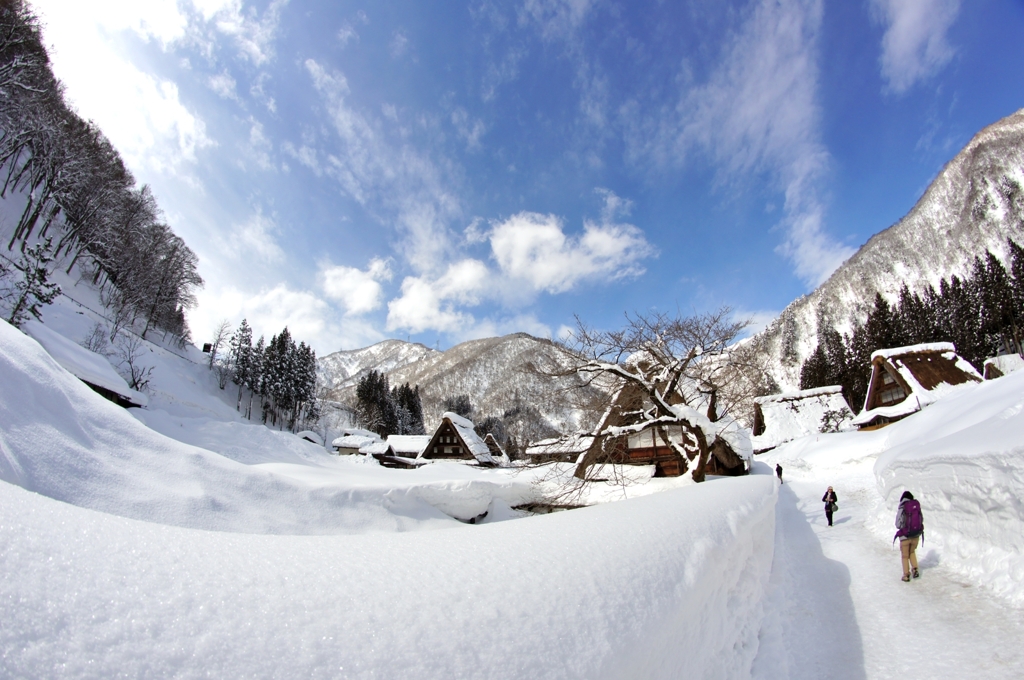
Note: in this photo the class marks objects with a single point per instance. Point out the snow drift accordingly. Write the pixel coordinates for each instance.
(963, 458)
(665, 586)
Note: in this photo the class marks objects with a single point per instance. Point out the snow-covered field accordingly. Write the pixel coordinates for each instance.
(181, 540)
(233, 550)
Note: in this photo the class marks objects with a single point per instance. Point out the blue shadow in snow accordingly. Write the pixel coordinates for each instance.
(815, 631)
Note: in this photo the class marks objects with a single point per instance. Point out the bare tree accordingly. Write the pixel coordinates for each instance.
(220, 336)
(129, 349)
(664, 368)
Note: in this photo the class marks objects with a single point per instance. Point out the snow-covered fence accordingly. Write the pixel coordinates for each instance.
(963, 458)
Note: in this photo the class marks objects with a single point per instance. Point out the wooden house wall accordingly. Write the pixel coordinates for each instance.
(447, 443)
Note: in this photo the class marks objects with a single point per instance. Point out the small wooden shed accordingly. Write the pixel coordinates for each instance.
(906, 379)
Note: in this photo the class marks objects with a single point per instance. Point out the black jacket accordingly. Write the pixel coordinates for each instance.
(829, 497)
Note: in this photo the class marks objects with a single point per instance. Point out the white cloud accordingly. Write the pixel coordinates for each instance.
(253, 34)
(469, 130)
(533, 248)
(224, 85)
(357, 290)
(431, 304)
(394, 180)
(259, 145)
(305, 155)
(758, 112)
(399, 44)
(268, 311)
(142, 115)
(347, 34)
(556, 18)
(914, 46)
(253, 238)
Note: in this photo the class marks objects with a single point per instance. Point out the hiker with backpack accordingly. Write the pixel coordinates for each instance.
(910, 530)
(831, 504)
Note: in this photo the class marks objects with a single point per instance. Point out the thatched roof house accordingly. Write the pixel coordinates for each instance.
(906, 379)
(456, 439)
(997, 367)
(780, 418)
(649, 448)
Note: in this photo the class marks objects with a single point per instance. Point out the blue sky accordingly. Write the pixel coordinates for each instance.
(445, 171)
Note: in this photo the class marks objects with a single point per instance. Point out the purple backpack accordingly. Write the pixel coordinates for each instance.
(912, 523)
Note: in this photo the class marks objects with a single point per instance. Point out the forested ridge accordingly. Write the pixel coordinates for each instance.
(81, 202)
(981, 314)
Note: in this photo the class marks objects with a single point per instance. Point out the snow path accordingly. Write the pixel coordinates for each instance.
(837, 608)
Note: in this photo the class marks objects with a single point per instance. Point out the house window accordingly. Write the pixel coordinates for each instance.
(891, 392)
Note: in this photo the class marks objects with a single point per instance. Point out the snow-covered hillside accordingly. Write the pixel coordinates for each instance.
(343, 369)
(974, 205)
(497, 374)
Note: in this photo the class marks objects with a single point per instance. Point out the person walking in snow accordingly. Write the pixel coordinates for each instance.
(831, 503)
(778, 471)
(910, 530)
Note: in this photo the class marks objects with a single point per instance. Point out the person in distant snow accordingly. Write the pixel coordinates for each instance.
(830, 500)
(778, 471)
(909, 529)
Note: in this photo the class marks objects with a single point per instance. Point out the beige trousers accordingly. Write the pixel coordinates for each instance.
(908, 548)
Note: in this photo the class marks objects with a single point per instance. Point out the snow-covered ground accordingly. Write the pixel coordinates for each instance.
(233, 550)
(183, 540)
(836, 605)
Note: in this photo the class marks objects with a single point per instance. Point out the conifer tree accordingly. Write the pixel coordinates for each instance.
(241, 358)
(33, 289)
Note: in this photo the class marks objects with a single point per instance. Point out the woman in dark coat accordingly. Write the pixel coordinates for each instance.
(828, 499)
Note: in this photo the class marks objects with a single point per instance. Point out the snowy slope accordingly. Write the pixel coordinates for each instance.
(62, 440)
(495, 373)
(973, 205)
(344, 369)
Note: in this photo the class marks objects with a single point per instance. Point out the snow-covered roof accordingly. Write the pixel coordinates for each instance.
(311, 436)
(560, 446)
(792, 415)
(1004, 364)
(375, 447)
(360, 431)
(799, 394)
(913, 349)
(930, 371)
(408, 445)
(87, 366)
(472, 440)
(354, 441)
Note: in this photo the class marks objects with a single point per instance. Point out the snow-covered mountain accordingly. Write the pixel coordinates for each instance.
(973, 205)
(497, 374)
(343, 369)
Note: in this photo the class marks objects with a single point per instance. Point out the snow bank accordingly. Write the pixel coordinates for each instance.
(963, 458)
(83, 364)
(666, 586)
(62, 440)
